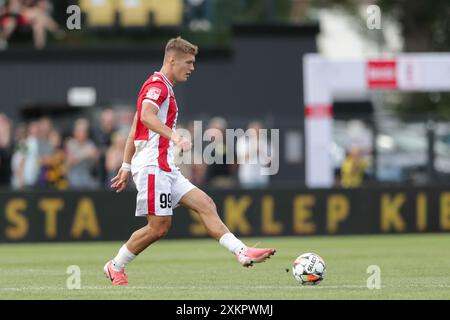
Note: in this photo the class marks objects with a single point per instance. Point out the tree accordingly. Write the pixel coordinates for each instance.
(425, 27)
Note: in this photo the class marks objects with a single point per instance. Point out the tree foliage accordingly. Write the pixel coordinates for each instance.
(425, 27)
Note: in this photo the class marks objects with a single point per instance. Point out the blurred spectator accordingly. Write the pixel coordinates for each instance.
(198, 166)
(191, 165)
(32, 161)
(45, 149)
(299, 10)
(45, 127)
(219, 175)
(5, 150)
(358, 134)
(103, 137)
(53, 164)
(108, 125)
(3, 21)
(199, 14)
(81, 157)
(18, 158)
(9, 13)
(353, 169)
(2, 8)
(185, 168)
(36, 14)
(125, 119)
(114, 156)
(32, 13)
(249, 154)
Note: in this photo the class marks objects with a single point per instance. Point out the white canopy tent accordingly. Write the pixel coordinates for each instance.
(323, 78)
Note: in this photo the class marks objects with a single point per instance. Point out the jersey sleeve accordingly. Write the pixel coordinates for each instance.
(155, 93)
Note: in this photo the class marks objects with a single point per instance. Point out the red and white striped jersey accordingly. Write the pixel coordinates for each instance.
(151, 148)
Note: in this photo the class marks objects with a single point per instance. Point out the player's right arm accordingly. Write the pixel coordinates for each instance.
(120, 180)
(129, 145)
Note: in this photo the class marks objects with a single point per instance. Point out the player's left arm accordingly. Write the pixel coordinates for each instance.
(150, 119)
(120, 180)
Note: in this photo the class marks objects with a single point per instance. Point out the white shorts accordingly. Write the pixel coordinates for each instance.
(159, 191)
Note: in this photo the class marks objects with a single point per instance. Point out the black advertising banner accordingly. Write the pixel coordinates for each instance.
(103, 215)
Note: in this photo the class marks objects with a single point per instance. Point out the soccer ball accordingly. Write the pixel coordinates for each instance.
(309, 269)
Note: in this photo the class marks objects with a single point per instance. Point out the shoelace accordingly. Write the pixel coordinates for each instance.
(256, 244)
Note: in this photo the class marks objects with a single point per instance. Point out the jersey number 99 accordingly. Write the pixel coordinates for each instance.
(165, 200)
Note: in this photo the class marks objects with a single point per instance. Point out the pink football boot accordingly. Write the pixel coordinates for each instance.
(254, 255)
(116, 277)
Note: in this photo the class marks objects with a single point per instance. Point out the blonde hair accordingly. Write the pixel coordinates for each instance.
(180, 45)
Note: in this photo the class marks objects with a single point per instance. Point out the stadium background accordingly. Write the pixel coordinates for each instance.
(249, 68)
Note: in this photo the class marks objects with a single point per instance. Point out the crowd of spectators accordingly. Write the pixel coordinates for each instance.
(87, 154)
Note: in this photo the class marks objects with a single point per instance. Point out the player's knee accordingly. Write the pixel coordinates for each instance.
(161, 229)
(161, 232)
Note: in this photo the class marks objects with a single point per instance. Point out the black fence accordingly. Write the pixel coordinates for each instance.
(74, 216)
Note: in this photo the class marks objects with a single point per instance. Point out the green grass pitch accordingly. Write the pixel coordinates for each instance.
(412, 267)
